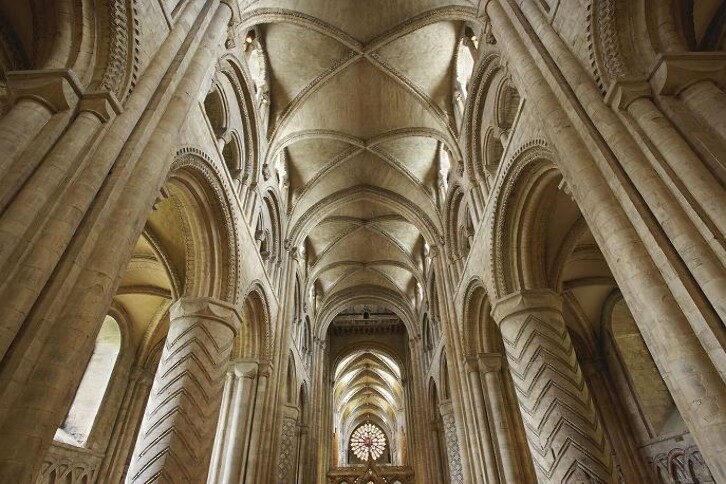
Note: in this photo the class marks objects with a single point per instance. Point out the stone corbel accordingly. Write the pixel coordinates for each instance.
(57, 89)
(673, 73)
(103, 105)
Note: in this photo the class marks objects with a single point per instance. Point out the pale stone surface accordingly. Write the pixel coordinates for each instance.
(301, 214)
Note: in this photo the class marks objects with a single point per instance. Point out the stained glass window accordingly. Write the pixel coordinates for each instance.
(368, 439)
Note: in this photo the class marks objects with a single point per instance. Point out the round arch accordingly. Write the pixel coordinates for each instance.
(201, 198)
(515, 232)
(254, 337)
(363, 295)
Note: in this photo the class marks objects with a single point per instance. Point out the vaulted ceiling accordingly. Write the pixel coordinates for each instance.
(361, 114)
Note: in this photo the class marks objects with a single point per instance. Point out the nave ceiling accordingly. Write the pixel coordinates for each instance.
(359, 130)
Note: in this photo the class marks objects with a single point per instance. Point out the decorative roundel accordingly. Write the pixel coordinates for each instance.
(368, 438)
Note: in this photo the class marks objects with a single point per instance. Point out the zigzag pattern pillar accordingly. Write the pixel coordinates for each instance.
(565, 433)
(177, 433)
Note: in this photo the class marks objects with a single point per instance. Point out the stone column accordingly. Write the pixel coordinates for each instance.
(251, 470)
(696, 79)
(303, 463)
(37, 96)
(38, 217)
(456, 470)
(177, 433)
(115, 463)
(220, 437)
(484, 432)
(564, 431)
(620, 226)
(490, 366)
(437, 457)
(234, 448)
(674, 159)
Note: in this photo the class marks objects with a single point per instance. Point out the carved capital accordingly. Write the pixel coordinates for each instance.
(673, 73)
(208, 309)
(528, 301)
(102, 104)
(57, 89)
(622, 93)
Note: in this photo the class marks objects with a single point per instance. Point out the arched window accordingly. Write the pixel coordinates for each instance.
(80, 419)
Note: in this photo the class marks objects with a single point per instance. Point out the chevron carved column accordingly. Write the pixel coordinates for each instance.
(565, 433)
(177, 433)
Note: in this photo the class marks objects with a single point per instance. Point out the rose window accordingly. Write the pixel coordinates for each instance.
(368, 439)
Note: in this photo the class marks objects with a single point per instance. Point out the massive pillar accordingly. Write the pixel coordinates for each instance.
(622, 224)
(177, 433)
(565, 433)
(69, 283)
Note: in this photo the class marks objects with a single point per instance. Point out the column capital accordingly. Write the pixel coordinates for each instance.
(672, 73)
(290, 411)
(206, 308)
(526, 301)
(245, 368)
(446, 407)
(622, 94)
(471, 364)
(490, 362)
(57, 89)
(103, 104)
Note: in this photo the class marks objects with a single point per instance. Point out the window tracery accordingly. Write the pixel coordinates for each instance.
(368, 440)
